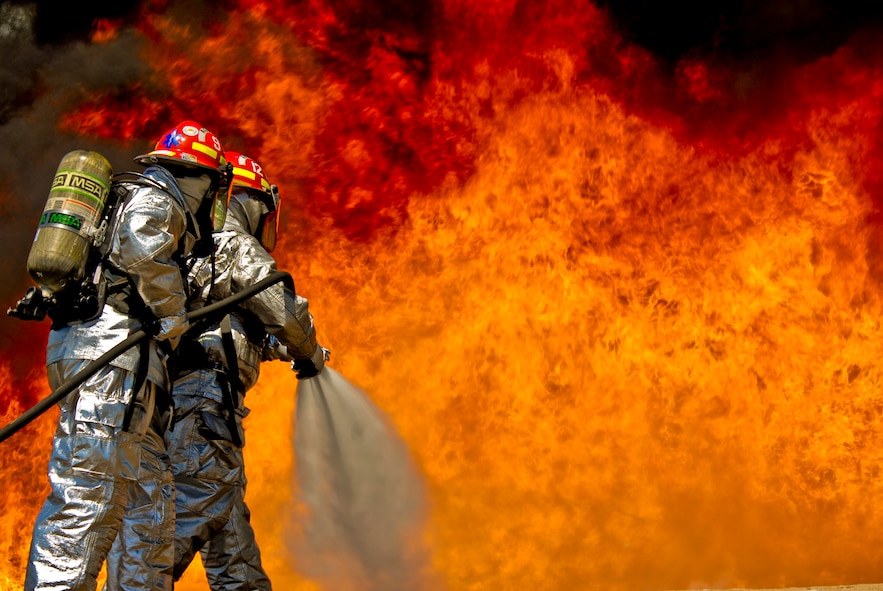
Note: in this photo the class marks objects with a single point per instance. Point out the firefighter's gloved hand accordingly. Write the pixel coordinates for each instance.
(310, 368)
(172, 328)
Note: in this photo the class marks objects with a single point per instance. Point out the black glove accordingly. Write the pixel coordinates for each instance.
(151, 325)
(310, 368)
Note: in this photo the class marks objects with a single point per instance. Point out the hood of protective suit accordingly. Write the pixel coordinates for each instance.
(190, 193)
(244, 213)
(194, 190)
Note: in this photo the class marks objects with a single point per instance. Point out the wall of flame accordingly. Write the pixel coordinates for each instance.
(627, 319)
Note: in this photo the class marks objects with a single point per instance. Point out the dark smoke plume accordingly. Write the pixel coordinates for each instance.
(39, 83)
(743, 30)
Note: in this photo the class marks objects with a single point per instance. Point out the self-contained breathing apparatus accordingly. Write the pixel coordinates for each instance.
(68, 258)
(70, 238)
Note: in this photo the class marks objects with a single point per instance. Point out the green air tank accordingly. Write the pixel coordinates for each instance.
(79, 191)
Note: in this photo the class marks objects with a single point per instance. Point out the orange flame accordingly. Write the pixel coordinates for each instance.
(628, 323)
(23, 465)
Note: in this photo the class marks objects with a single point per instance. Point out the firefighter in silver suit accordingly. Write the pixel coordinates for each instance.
(216, 369)
(113, 424)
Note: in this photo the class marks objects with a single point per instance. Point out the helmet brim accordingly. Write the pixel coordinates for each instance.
(163, 158)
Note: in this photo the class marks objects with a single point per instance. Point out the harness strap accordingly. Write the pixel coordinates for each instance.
(140, 377)
(231, 386)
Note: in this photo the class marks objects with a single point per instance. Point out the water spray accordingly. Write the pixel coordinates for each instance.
(361, 507)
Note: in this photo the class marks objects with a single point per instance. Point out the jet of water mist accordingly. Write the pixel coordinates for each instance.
(361, 508)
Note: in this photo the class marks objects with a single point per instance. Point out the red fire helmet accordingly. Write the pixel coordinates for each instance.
(188, 143)
(249, 175)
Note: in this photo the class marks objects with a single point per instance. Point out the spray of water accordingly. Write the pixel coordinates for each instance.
(361, 509)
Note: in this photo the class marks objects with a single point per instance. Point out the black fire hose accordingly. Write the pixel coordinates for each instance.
(206, 313)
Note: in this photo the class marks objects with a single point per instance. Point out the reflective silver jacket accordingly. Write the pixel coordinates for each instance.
(150, 229)
(241, 261)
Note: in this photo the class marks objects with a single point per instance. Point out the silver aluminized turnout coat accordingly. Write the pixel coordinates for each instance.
(98, 446)
(241, 261)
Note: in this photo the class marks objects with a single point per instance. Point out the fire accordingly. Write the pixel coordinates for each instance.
(23, 464)
(627, 321)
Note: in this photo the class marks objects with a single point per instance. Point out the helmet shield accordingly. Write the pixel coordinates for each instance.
(269, 226)
(220, 206)
(249, 176)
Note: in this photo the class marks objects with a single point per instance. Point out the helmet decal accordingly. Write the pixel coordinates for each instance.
(172, 139)
(211, 152)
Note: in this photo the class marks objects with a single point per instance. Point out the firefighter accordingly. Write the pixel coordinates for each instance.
(114, 423)
(217, 368)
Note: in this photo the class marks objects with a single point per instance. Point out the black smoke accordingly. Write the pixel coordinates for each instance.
(44, 75)
(58, 23)
(736, 31)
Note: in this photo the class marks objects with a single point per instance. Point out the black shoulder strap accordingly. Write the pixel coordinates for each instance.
(232, 386)
(140, 379)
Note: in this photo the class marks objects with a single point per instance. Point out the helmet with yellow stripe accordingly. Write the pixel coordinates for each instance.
(259, 199)
(187, 144)
(248, 173)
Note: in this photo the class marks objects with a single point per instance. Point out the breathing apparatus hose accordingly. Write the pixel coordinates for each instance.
(209, 312)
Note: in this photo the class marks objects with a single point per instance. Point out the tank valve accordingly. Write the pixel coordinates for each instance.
(33, 306)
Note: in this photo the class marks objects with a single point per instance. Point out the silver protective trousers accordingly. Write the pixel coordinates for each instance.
(142, 556)
(208, 472)
(232, 558)
(92, 469)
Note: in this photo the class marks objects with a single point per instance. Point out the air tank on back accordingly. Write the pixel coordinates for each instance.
(79, 191)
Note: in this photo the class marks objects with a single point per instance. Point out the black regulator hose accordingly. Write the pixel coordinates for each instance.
(208, 313)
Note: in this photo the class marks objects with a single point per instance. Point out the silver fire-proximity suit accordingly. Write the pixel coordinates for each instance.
(211, 514)
(232, 559)
(112, 421)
